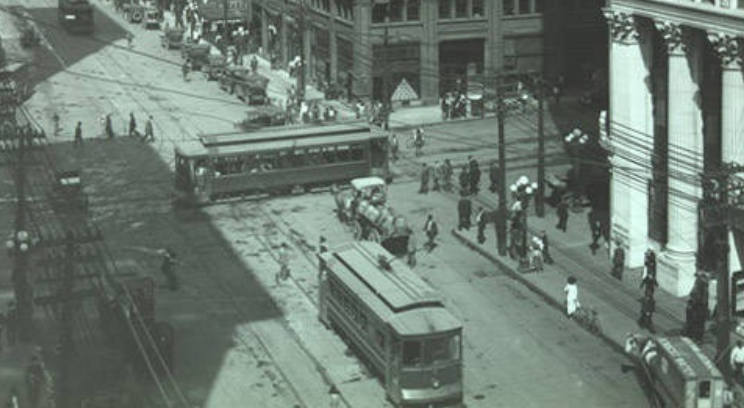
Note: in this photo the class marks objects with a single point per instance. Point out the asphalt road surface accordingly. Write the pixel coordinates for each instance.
(239, 336)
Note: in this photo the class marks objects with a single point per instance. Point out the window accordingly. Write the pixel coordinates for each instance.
(461, 8)
(412, 10)
(478, 8)
(380, 339)
(445, 9)
(379, 12)
(524, 6)
(539, 6)
(509, 7)
(396, 10)
(412, 353)
(704, 390)
(441, 349)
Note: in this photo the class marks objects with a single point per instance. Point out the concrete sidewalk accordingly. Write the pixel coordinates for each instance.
(617, 302)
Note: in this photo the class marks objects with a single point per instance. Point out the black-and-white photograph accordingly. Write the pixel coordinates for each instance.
(372, 203)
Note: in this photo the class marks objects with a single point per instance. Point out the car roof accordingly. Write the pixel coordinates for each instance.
(366, 182)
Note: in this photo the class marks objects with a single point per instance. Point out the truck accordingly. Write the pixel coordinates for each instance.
(172, 38)
(246, 85)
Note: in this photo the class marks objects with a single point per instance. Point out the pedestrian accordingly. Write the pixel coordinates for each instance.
(168, 268)
(493, 176)
(283, 258)
(394, 147)
(481, 220)
(424, 189)
(649, 263)
(411, 248)
(536, 254)
(562, 212)
(132, 125)
(78, 134)
(572, 296)
(618, 261)
(108, 127)
(432, 230)
(335, 397)
(185, 69)
(322, 249)
(418, 140)
(448, 171)
(435, 173)
(596, 230)
(11, 323)
(475, 175)
(149, 134)
(729, 397)
(649, 284)
(35, 379)
(737, 361)
(545, 247)
(130, 40)
(13, 399)
(464, 211)
(648, 307)
(465, 178)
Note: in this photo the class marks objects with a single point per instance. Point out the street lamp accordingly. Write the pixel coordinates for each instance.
(574, 143)
(18, 243)
(522, 191)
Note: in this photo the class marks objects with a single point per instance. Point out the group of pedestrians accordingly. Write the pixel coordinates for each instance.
(108, 129)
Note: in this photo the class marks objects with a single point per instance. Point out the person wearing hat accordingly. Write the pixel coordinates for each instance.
(618, 260)
(335, 396)
(464, 211)
(481, 221)
(11, 323)
(572, 296)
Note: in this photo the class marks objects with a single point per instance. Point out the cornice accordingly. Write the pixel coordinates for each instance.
(698, 15)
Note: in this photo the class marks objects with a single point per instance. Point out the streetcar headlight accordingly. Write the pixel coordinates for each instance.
(435, 383)
(69, 17)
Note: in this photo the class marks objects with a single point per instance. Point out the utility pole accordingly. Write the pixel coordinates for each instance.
(301, 77)
(501, 218)
(386, 62)
(66, 341)
(225, 30)
(540, 197)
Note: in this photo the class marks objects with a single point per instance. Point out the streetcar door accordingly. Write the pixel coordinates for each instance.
(392, 368)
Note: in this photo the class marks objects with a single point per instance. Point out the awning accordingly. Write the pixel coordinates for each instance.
(215, 11)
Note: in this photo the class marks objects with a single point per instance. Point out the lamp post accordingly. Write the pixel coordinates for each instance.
(522, 191)
(574, 143)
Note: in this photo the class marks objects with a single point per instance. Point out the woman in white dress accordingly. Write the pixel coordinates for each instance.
(572, 296)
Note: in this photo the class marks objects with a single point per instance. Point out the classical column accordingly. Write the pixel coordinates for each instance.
(493, 55)
(264, 31)
(676, 271)
(332, 50)
(631, 132)
(308, 39)
(728, 48)
(283, 40)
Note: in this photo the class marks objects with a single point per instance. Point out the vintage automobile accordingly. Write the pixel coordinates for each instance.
(172, 38)
(135, 13)
(248, 86)
(198, 53)
(364, 209)
(676, 372)
(216, 67)
(151, 18)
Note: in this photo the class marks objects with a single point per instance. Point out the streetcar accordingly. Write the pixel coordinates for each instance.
(278, 133)
(76, 16)
(275, 162)
(396, 323)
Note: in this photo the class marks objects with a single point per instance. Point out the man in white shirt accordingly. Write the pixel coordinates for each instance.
(737, 360)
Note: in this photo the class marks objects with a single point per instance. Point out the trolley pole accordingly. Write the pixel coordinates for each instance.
(225, 30)
(501, 218)
(20, 254)
(540, 197)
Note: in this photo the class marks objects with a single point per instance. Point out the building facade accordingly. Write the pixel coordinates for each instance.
(676, 113)
(435, 45)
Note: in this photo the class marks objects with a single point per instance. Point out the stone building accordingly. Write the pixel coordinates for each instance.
(432, 44)
(676, 112)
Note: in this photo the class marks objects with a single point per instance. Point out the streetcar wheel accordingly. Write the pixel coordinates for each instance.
(356, 229)
(374, 236)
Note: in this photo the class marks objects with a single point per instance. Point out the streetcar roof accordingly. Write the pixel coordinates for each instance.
(397, 288)
(279, 133)
(195, 149)
(418, 322)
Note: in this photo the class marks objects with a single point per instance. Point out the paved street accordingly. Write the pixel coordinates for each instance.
(238, 336)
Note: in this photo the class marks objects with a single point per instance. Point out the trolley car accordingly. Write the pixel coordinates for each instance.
(275, 162)
(76, 16)
(395, 322)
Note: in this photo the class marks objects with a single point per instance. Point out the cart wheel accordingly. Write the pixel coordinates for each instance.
(356, 230)
(374, 236)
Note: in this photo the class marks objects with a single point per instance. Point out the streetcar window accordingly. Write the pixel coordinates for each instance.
(704, 389)
(412, 353)
(442, 349)
(357, 153)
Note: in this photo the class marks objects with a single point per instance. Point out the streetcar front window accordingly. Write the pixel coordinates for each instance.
(442, 349)
(412, 353)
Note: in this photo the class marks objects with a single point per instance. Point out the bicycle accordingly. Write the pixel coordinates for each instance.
(588, 317)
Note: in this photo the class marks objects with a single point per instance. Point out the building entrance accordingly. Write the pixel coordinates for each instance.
(454, 59)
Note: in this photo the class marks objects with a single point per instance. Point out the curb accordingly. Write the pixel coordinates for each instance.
(531, 286)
